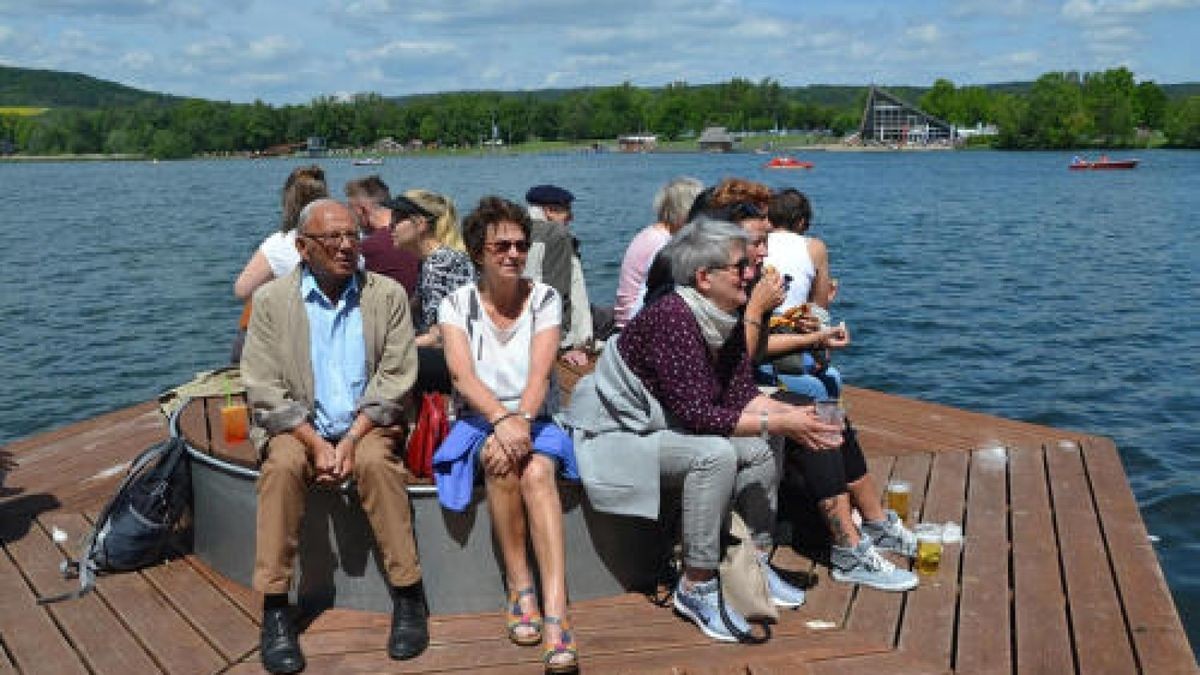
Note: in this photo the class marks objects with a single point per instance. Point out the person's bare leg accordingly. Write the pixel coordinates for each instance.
(543, 508)
(865, 496)
(510, 528)
(836, 511)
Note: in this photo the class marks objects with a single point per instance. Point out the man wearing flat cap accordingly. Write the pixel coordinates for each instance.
(328, 362)
(554, 260)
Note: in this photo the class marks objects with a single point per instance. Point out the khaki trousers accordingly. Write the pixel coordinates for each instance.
(283, 484)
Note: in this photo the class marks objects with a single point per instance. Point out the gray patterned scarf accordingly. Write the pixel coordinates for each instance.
(714, 323)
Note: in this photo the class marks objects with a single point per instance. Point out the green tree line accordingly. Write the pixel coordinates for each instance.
(1060, 110)
(1071, 110)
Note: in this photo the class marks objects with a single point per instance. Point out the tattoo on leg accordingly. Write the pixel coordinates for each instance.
(836, 527)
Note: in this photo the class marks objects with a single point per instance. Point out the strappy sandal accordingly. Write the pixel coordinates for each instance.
(565, 645)
(519, 620)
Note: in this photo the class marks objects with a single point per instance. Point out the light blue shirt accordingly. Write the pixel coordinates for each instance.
(339, 355)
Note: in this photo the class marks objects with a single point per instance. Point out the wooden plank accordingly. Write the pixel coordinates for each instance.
(984, 616)
(875, 613)
(98, 637)
(101, 423)
(876, 664)
(80, 470)
(1043, 642)
(1097, 622)
(625, 649)
(247, 599)
(210, 612)
(171, 641)
(193, 425)
(929, 616)
(30, 636)
(896, 425)
(6, 664)
(1158, 635)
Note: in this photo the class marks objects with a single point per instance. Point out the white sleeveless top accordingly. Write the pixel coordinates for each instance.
(502, 357)
(281, 253)
(788, 253)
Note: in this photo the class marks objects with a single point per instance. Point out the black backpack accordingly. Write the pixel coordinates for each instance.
(137, 525)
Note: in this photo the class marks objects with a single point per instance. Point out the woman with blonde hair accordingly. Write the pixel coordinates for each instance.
(426, 223)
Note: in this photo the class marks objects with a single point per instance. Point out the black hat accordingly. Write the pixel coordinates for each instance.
(549, 195)
(405, 207)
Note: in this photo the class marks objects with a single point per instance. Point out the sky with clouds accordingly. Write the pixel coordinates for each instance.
(291, 52)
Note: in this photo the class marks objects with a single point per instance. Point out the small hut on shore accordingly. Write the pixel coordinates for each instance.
(716, 139)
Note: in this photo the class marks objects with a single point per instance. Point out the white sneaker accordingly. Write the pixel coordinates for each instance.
(864, 565)
(891, 535)
(700, 606)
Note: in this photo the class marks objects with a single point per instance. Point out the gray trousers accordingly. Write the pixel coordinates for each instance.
(712, 470)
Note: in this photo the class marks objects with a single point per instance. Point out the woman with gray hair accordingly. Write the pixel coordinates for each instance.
(672, 401)
(672, 203)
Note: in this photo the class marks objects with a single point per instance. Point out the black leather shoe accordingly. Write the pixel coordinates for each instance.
(280, 647)
(410, 627)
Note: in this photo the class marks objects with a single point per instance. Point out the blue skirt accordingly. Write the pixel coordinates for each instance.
(456, 458)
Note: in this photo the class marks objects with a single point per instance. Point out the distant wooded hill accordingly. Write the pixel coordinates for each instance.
(57, 89)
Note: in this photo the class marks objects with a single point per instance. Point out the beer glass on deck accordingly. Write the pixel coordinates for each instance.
(896, 497)
(929, 547)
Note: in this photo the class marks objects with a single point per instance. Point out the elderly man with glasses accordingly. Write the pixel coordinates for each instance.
(329, 358)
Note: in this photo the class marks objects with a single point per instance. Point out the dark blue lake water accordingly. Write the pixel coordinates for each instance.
(1001, 283)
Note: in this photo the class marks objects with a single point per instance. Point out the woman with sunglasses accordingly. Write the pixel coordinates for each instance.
(426, 223)
(501, 338)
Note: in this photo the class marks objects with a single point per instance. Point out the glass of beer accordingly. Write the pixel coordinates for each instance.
(235, 420)
(896, 496)
(929, 547)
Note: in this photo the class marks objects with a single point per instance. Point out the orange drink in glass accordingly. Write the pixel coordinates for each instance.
(235, 420)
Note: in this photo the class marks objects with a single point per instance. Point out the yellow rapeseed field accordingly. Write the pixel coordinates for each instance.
(22, 111)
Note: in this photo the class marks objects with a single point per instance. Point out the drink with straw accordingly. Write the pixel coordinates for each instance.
(235, 419)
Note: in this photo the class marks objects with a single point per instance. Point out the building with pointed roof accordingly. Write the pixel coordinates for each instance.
(889, 120)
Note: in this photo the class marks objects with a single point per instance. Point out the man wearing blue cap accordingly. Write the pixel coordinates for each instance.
(554, 260)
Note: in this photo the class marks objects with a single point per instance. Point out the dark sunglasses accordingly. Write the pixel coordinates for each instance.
(742, 210)
(740, 266)
(504, 245)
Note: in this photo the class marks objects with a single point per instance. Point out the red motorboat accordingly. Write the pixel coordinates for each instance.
(787, 163)
(1103, 163)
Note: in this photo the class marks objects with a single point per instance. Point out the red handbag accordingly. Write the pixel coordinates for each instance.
(432, 428)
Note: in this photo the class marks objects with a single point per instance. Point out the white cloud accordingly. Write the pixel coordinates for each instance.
(402, 50)
(927, 34)
(139, 60)
(1020, 60)
(271, 47)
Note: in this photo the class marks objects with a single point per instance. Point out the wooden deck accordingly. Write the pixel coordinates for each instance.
(1056, 575)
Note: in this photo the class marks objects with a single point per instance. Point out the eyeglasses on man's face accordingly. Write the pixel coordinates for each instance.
(334, 239)
(506, 245)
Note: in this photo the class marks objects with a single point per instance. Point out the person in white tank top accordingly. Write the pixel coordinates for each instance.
(805, 260)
